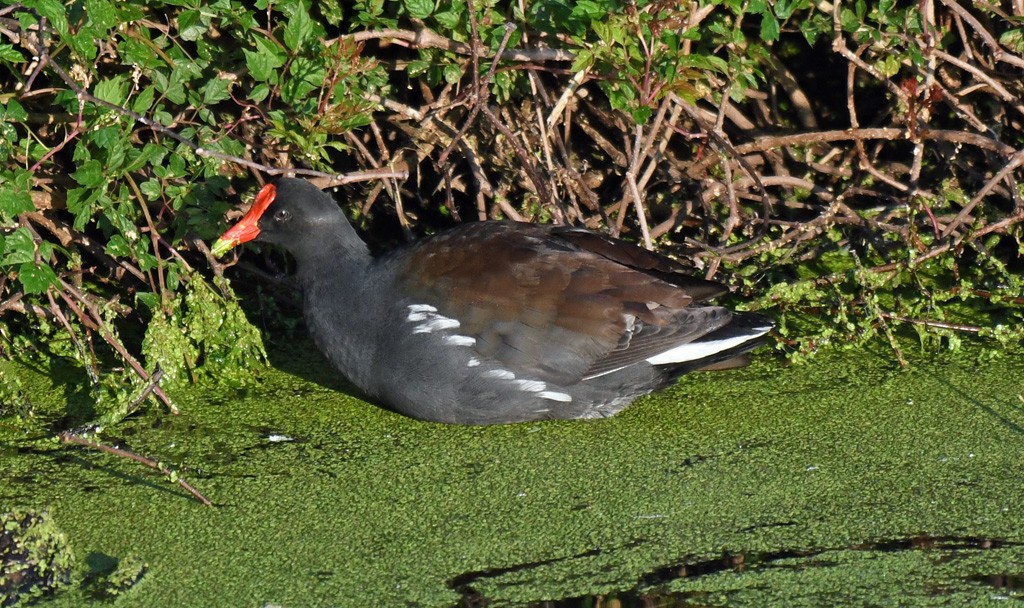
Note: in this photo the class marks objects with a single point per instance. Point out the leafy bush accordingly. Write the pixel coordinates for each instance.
(855, 170)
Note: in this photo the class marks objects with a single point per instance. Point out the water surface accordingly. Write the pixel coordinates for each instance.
(844, 480)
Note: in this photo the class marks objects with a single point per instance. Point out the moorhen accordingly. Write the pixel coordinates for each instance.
(495, 322)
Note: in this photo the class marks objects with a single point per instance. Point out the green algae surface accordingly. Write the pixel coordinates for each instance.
(840, 481)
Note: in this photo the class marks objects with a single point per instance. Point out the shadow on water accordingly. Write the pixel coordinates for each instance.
(75, 383)
(288, 345)
(300, 357)
(1012, 417)
(66, 461)
(1006, 583)
(645, 593)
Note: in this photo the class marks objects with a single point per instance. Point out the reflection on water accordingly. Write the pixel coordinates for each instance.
(646, 594)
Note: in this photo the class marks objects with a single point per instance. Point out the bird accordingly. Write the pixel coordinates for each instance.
(495, 322)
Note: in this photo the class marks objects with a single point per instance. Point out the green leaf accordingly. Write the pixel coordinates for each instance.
(15, 111)
(259, 92)
(604, 32)
(147, 261)
(584, 60)
(1013, 39)
(101, 13)
(215, 90)
(105, 138)
(813, 28)
(18, 248)
(138, 159)
(14, 201)
(419, 9)
(450, 18)
(118, 246)
(90, 174)
(80, 203)
(785, 8)
(35, 278)
(849, 20)
(769, 27)
(590, 10)
(265, 60)
(192, 24)
(641, 114)
(306, 76)
(889, 66)
(113, 90)
(55, 14)
(152, 189)
(137, 53)
(8, 134)
(331, 10)
(417, 67)
(10, 54)
(298, 29)
(452, 73)
(148, 299)
(170, 86)
(144, 100)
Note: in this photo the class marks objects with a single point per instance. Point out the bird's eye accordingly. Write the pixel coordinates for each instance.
(282, 215)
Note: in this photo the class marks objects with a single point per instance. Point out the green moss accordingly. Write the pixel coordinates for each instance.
(204, 336)
(13, 401)
(34, 557)
(109, 577)
(804, 473)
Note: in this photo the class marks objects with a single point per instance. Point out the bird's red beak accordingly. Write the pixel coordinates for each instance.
(248, 227)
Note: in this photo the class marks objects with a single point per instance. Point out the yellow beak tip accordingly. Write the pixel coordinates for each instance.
(221, 247)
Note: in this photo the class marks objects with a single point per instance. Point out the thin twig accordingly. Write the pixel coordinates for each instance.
(1016, 161)
(928, 323)
(424, 38)
(640, 146)
(152, 385)
(69, 437)
(109, 337)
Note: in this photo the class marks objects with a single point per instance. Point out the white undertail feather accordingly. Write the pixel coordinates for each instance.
(693, 351)
(698, 350)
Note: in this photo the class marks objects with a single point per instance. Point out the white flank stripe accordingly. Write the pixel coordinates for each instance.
(533, 386)
(434, 323)
(699, 350)
(504, 374)
(420, 312)
(473, 362)
(555, 396)
(458, 340)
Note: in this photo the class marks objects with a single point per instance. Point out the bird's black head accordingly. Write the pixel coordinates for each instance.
(292, 213)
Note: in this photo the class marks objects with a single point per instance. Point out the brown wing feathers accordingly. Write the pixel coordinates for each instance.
(648, 262)
(587, 306)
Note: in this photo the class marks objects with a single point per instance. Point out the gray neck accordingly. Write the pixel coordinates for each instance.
(341, 258)
(337, 300)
